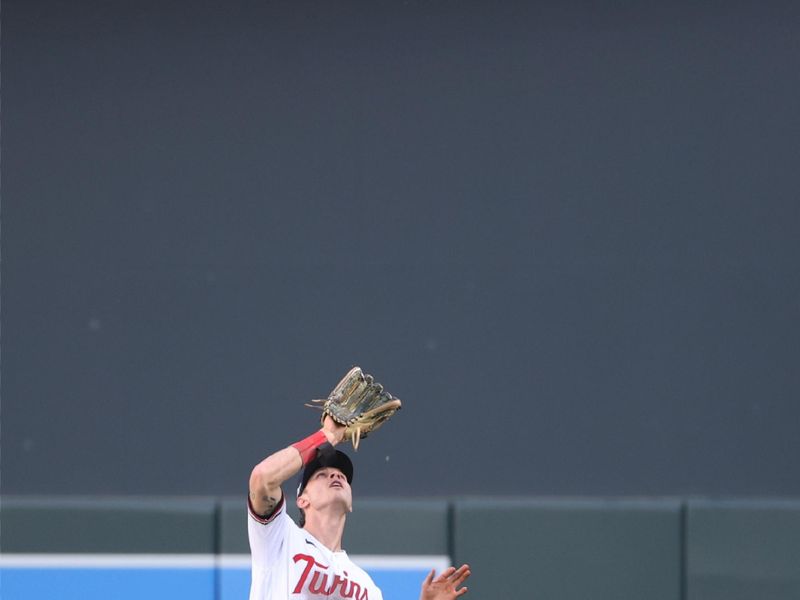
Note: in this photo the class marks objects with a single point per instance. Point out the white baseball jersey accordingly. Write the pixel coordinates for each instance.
(291, 564)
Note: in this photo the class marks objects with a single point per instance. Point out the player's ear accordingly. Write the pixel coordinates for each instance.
(302, 502)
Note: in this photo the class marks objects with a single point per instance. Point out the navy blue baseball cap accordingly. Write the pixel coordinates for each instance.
(327, 457)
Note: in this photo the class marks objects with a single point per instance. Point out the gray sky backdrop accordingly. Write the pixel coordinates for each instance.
(564, 233)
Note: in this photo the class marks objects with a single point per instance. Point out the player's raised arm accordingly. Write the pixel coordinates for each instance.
(268, 475)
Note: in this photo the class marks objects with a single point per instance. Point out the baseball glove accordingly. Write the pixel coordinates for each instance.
(358, 403)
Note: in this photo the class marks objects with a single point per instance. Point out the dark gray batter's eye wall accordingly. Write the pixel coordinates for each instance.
(564, 233)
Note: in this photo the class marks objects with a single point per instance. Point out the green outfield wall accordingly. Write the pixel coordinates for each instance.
(549, 549)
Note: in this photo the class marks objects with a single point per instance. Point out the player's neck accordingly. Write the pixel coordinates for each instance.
(327, 527)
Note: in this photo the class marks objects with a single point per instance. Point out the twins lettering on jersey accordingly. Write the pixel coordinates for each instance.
(318, 582)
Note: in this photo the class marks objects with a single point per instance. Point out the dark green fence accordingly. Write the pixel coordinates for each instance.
(548, 549)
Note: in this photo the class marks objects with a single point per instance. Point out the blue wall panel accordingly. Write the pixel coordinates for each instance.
(106, 584)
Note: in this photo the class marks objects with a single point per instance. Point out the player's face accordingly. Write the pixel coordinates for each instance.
(328, 486)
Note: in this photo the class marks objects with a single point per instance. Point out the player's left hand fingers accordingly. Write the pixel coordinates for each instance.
(445, 575)
(456, 573)
(461, 575)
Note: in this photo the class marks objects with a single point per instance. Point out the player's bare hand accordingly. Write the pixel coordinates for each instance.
(333, 431)
(446, 585)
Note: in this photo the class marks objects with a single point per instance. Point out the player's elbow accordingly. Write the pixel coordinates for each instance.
(262, 478)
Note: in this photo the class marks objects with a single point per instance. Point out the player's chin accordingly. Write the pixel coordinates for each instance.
(338, 492)
(344, 497)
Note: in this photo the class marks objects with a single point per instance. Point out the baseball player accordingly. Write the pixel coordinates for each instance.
(307, 561)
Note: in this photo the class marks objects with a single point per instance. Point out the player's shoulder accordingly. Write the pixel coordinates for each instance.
(353, 566)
